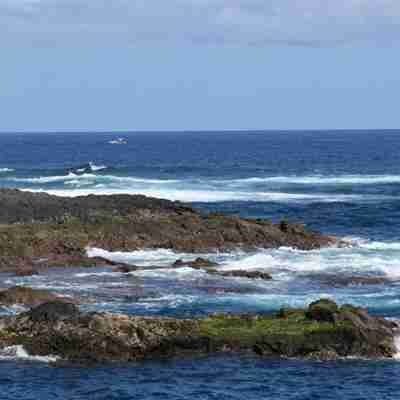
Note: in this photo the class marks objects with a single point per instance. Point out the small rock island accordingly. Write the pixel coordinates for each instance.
(323, 331)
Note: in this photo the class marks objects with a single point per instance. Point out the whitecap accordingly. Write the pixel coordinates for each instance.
(185, 273)
(48, 179)
(206, 196)
(320, 179)
(371, 258)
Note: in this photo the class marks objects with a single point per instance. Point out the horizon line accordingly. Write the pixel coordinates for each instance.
(202, 131)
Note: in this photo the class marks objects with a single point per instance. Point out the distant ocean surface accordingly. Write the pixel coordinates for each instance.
(345, 183)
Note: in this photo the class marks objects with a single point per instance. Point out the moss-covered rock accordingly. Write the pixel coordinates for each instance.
(64, 331)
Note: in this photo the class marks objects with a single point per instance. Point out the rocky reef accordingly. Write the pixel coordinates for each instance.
(38, 230)
(322, 331)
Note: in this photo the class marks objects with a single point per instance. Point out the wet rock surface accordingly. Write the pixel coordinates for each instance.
(26, 272)
(324, 331)
(334, 280)
(198, 263)
(243, 274)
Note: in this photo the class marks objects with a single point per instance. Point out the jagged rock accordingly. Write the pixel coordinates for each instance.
(125, 268)
(323, 310)
(47, 231)
(324, 355)
(198, 263)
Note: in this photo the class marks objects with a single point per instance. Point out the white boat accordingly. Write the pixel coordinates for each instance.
(118, 141)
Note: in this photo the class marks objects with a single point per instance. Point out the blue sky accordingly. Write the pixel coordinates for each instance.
(199, 64)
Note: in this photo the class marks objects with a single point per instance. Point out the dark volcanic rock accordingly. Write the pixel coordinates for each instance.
(198, 263)
(243, 274)
(26, 272)
(125, 268)
(53, 311)
(348, 280)
(27, 207)
(28, 296)
(323, 310)
(62, 330)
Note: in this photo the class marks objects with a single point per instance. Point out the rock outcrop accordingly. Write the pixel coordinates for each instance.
(342, 280)
(198, 263)
(38, 230)
(238, 273)
(324, 331)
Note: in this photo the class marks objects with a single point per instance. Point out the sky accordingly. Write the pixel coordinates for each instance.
(101, 65)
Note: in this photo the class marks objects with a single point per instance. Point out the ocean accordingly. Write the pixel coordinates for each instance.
(344, 183)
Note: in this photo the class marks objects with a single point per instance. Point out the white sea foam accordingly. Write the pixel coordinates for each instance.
(202, 190)
(376, 258)
(397, 345)
(12, 309)
(306, 180)
(111, 180)
(187, 195)
(19, 353)
(395, 246)
(184, 273)
(321, 180)
(142, 257)
(2, 170)
(48, 179)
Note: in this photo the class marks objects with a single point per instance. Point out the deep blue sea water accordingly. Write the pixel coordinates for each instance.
(345, 183)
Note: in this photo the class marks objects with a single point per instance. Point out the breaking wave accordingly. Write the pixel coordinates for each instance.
(188, 195)
(140, 257)
(89, 179)
(322, 180)
(363, 257)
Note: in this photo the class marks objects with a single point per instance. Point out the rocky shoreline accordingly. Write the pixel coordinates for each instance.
(40, 231)
(323, 331)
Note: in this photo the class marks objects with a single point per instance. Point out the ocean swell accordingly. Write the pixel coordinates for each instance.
(90, 179)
